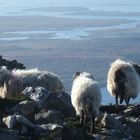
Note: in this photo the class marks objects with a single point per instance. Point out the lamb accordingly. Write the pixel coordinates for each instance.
(16, 81)
(86, 98)
(123, 81)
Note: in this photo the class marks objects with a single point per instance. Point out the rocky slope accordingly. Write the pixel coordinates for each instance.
(54, 119)
(50, 116)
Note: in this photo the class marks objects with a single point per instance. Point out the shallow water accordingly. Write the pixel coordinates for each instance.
(77, 48)
(72, 33)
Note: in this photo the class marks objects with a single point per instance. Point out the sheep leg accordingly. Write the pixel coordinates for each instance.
(92, 127)
(127, 100)
(116, 98)
(85, 118)
(121, 98)
(82, 117)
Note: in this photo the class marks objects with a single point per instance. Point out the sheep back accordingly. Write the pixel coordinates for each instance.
(85, 89)
(129, 79)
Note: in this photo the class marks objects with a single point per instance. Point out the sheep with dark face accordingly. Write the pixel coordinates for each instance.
(123, 80)
(14, 82)
(86, 97)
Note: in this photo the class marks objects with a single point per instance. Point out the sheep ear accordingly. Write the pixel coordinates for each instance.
(92, 77)
(2, 68)
(137, 68)
(76, 75)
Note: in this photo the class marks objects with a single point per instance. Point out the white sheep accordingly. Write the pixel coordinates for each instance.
(16, 81)
(123, 81)
(86, 97)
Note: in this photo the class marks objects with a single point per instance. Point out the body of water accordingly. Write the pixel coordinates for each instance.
(109, 5)
(68, 36)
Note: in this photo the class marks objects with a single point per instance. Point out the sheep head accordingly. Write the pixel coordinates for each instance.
(4, 75)
(137, 68)
(84, 74)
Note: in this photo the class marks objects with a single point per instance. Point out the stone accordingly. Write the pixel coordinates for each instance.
(110, 122)
(73, 131)
(38, 95)
(134, 129)
(60, 101)
(53, 132)
(27, 108)
(11, 120)
(10, 137)
(48, 116)
(7, 104)
(130, 114)
(51, 127)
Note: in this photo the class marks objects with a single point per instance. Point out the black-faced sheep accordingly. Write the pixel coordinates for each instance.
(123, 81)
(16, 81)
(86, 97)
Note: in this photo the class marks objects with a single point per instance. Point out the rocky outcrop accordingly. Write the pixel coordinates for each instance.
(49, 116)
(44, 115)
(11, 64)
(37, 94)
(52, 124)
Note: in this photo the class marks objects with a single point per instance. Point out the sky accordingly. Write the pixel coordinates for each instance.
(87, 3)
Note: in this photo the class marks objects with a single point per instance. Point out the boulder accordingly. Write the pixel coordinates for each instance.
(60, 101)
(48, 116)
(11, 121)
(27, 108)
(51, 127)
(54, 132)
(110, 122)
(134, 129)
(37, 94)
(10, 137)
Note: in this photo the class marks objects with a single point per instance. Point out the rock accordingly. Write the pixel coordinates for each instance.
(131, 111)
(110, 122)
(12, 120)
(27, 108)
(130, 114)
(60, 101)
(11, 64)
(133, 119)
(134, 129)
(54, 101)
(73, 131)
(52, 127)
(22, 125)
(48, 116)
(112, 109)
(10, 137)
(6, 104)
(38, 94)
(54, 132)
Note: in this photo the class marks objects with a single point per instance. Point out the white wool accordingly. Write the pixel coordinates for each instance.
(132, 84)
(84, 90)
(17, 80)
(25, 73)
